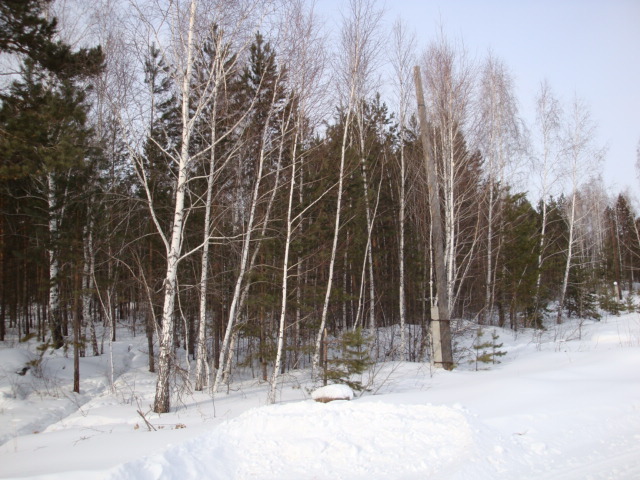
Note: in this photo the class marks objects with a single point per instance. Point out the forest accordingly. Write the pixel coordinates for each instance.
(224, 178)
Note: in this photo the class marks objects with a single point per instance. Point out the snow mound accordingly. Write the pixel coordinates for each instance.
(332, 392)
(323, 441)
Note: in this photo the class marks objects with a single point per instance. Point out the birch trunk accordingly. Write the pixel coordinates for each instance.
(88, 273)
(163, 395)
(450, 221)
(541, 246)
(300, 281)
(548, 120)
(202, 364)
(401, 300)
(582, 162)
(249, 266)
(285, 278)
(360, 46)
(372, 290)
(500, 135)
(55, 319)
(488, 299)
(567, 267)
(403, 59)
(334, 245)
(239, 294)
(369, 250)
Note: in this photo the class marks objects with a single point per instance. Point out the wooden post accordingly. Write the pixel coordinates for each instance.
(440, 325)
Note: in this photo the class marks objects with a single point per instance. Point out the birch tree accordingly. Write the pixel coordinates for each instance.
(582, 160)
(219, 65)
(498, 139)
(358, 31)
(173, 244)
(218, 73)
(402, 60)
(268, 83)
(548, 115)
(304, 65)
(364, 83)
(449, 83)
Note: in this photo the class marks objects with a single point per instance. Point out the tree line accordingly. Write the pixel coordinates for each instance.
(214, 176)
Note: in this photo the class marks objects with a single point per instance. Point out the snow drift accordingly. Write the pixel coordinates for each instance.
(350, 440)
(563, 404)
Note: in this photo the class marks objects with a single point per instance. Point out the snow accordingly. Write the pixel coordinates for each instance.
(336, 392)
(563, 404)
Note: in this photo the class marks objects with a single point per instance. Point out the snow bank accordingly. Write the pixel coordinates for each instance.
(563, 404)
(332, 392)
(324, 441)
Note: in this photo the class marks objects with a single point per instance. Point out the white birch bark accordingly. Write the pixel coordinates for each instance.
(202, 365)
(249, 266)
(334, 245)
(88, 274)
(582, 161)
(567, 267)
(238, 292)
(499, 137)
(163, 394)
(285, 279)
(402, 306)
(548, 121)
(450, 216)
(449, 88)
(403, 54)
(369, 251)
(55, 319)
(359, 49)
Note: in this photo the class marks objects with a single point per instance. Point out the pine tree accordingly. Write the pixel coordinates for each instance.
(628, 239)
(517, 275)
(487, 351)
(47, 142)
(24, 28)
(353, 359)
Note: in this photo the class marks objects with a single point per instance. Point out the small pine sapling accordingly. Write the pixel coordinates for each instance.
(610, 304)
(487, 351)
(353, 359)
(481, 349)
(495, 348)
(630, 304)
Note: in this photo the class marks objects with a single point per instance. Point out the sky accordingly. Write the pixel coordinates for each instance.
(584, 48)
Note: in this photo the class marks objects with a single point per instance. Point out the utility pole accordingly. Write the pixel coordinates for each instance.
(440, 325)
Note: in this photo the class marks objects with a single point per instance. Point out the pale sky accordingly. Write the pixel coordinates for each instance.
(588, 48)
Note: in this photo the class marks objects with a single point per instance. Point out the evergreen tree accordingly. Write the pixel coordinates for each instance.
(581, 298)
(628, 240)
(24, 28)
(353, 359)
(517, 274)
(487, 351)
(164, 138)
(47, 139)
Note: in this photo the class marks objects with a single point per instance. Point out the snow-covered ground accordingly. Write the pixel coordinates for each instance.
(562, 404)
